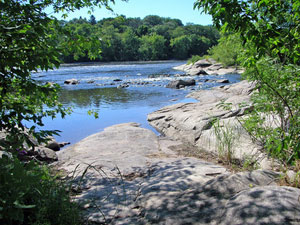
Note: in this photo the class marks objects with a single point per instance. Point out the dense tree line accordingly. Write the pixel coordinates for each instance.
(130, 39)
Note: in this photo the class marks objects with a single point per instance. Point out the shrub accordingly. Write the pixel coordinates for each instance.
(194, 59)
(29, 195)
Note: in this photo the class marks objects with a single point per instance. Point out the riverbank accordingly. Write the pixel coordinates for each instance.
(128, 175)
(97, 89)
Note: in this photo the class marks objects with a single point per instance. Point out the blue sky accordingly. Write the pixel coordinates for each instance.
(177, 9)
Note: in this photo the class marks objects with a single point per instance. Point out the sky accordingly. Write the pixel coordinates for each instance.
(175, 9)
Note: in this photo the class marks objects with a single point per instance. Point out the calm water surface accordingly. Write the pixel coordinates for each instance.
(98, 90)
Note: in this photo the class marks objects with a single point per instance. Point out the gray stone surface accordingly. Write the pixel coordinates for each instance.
(263, 205)
(195, 123)
(124, 162)
(208, 67)
(72, 81)
(131, 176)
(45, 154)
(181, 83)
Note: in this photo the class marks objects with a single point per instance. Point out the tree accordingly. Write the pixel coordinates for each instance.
(92, 20)
(130, 45)
(152, 20)
(228, 50)
(270, 33)
(181, 46)
(152, 47)
(28, 40)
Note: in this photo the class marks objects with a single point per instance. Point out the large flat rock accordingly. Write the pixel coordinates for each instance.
(121, 161)
(128, 175)
(198, 123)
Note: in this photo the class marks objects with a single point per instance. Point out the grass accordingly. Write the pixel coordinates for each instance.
(226, 138)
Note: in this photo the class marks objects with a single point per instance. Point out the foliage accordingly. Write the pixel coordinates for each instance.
(228, 50)
(226, 138)
(181, 46)
(194, 59)
(270, 33)
(125, 39)
(29, 42)
(152, 47)
(29, 195)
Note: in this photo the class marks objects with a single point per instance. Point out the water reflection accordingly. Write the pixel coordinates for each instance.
(117, 98)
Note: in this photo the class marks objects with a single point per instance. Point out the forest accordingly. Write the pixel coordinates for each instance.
(135, 39)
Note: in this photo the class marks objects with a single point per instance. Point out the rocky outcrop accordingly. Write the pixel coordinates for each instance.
(206, 122)
(208, 67)
(176, 84)
(131, 176)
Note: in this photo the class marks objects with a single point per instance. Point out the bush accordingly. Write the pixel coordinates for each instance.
(228, 50)
(29, 195)
(194, 59)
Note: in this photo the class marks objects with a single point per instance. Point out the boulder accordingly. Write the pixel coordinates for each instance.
(72, 81)
(117, 80)
(197, 71)
(203, 63)
(45, 154)
(181, 83)
(53, 145)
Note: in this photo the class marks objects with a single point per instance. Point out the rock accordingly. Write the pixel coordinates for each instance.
(202, 63)
(208, 67)
(72, 81)
(91, 82)
(62, 144)
(158, 75)
(223, 81)
(137, 178)
(8, 154)
(197, 71)
(123, 86)
(53, 145)
(50, 84)
(263, 205)
(193, 123)
(130, 161)
(45, 154)
(181, 83)
(204, 204)
(117, 80)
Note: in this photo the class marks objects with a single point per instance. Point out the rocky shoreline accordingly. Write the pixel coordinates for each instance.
(128, 175)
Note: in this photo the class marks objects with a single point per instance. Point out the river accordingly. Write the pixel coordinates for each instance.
(98, 90)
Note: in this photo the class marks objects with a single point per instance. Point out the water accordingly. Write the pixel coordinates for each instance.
(145, 94)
